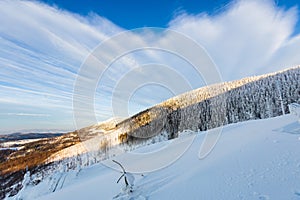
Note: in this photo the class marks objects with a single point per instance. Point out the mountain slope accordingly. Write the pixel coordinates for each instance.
(252, 160)
(201, 109)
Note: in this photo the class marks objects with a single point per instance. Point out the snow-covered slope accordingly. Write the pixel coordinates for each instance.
(257, 159)
(202, 109)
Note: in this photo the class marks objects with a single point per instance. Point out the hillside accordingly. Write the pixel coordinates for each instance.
(252, 160)
(198, 110)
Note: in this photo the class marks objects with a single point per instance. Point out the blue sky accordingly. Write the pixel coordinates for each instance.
(135, 13)
(44, 43)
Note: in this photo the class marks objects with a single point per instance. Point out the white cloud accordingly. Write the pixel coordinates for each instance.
(43, 47)
(41, 51)
(27, 114)
(243, 39)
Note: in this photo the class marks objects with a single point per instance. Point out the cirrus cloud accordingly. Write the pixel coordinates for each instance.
(43, 47)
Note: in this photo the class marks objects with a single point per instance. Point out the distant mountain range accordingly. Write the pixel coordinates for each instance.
(26, 136)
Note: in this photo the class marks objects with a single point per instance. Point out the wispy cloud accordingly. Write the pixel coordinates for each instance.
(43, 47)
(244, 39)
(26, 114)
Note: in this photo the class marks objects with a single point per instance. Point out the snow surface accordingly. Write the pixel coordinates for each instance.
(252, 160)
(295, 109)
